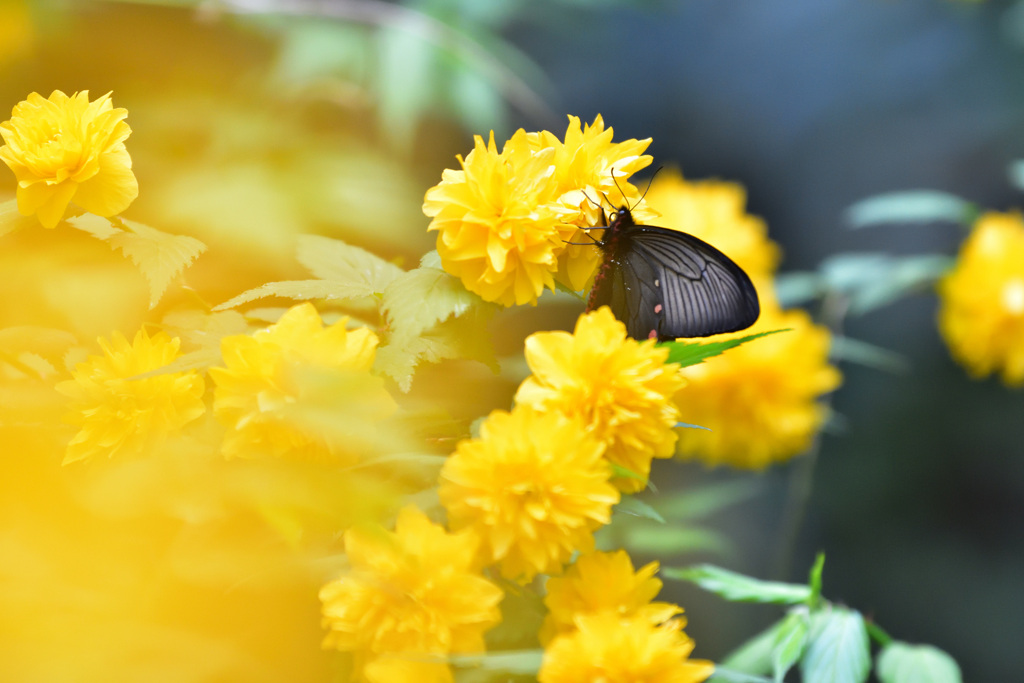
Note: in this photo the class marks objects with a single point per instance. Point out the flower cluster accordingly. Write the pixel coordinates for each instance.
(506, 220)
(271, 382)
(759, 402)
(65, 149)
(407, 595)
(621, 389)
(604, 626)
(982, 299)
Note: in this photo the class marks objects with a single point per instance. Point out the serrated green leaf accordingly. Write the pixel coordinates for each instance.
(754, 656)
(901, 662)
(871, 279)
(638, 508)
(160, 256)
(331, 259)
(838, 651)
(861, 352)
(789, 643)
(423, 297)
(739, 588)
(300, 290)
(913, 206)
(523, 662)
(691, 353)
(431, 260)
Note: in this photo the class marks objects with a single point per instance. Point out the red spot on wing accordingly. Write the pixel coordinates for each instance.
(657, 309)
(653, 334)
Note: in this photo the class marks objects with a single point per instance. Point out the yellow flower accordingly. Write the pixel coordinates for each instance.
(277, 376)
(759, 400)
(67, 148)
(414, 591)
(499, 228)
(982, 299)
(715, 211)
(591, 170)
(612, 649)
(534, 487)
(604, 582)
(122, 416)
(621, 389)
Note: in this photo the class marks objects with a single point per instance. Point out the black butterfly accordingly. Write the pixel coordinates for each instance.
(665, 284)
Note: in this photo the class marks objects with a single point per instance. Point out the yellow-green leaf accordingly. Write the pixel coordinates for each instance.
(330, 259)
(301, 290)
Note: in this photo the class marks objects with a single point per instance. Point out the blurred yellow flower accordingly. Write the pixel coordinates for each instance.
(604, 582)
(65, 149)
(981, 315)
(590, 169)
(122, 416)
(270, 378)
(414, 591)
(613, 649)
(499, 228)
(621, 389)
(759, 400)
(534, 487)
(715, 211)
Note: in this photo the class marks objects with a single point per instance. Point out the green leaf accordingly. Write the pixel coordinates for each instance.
(638, 508)
(1016, 170)
(423, 297)
(625, 472)
(814, 581)
(798, 287)
(755, 655)
(789, 642)
(691, 353)
(160, 256)
(331, 259)
(913, 206)
(870, 356)
(838, 651)
(431, 260)
(901, 662)
(406, 82)
(872, 279)
(705, 501)
(739, 588)
(725, 675)
(300, 290)
(523, 662)
(673, 540)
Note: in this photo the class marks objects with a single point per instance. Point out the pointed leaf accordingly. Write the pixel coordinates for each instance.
(838, 651)
(674, 540)
(301, 290)
(705, 501)
(331, 259)
(421, 298)
(159, 255)
(913, 206)
(755, 655)
(638, 508)
(691, 353)
(47, 342)
(523, 662)
(902, 662)
(789, 643)
(739, 588)
(870, 356)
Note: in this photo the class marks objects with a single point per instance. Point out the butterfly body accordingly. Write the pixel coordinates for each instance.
(664, 284)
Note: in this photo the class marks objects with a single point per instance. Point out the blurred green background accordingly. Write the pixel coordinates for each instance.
(257, 120)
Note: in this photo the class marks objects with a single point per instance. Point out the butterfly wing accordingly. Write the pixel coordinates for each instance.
(676, 285)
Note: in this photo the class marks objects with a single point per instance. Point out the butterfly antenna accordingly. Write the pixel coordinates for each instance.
(649, 183)
(619, 188)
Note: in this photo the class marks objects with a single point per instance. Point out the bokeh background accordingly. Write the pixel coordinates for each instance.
(257, 120)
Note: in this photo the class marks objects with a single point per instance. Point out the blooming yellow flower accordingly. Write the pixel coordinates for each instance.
(613, 649)
(982, 299)
(621, 389)
(604, 582)
(414, 591)
(715, 211)
(499, 228)
(759, 400)
(534, 487)
(65, 149)
(590, 170)
(122, 416)
(271, 376)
